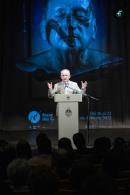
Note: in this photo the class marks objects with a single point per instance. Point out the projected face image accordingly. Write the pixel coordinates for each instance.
(68, 29)
(70, 24)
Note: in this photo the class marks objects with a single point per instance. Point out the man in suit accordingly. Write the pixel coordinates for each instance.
(65, 86)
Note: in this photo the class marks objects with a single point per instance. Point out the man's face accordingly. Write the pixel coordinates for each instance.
(75, 19)
(65, 75)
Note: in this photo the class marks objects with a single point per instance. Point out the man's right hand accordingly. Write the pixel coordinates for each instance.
(49, 85)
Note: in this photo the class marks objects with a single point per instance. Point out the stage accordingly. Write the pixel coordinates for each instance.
(30, 135)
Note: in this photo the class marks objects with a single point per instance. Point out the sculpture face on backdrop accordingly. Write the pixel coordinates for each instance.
(70, 25)
(70, 28)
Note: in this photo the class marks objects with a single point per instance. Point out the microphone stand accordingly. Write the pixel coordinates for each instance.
(88, 118)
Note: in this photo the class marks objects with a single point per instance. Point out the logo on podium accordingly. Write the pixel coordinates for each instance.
(68, 112)
(68, 97)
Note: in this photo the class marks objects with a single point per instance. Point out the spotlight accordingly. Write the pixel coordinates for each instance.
(120, 13)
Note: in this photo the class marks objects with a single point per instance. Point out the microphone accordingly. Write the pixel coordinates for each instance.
(66, 84)
(91, 97)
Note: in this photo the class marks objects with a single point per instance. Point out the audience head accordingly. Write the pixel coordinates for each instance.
(18, 172)
(42, 181)
(79, 140)
(119, 144)
(43, 143)
(65, 143)
(23, 149)
(102, 144)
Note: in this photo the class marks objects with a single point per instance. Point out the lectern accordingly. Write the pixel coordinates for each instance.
(68, 114)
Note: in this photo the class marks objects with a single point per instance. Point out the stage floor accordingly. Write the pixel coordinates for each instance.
(30, 135)
(16, 127)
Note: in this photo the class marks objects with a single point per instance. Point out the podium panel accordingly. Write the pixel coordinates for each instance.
(68, 114)
(68, 98)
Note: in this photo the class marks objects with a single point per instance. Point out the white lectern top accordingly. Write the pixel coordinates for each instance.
(68, 98)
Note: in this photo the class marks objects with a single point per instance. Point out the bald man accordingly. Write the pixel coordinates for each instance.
(66, 86)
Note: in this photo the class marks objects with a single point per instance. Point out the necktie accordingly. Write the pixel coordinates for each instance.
(66, 87)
